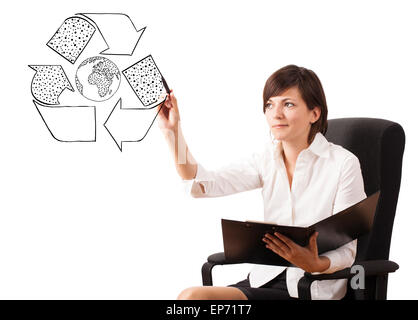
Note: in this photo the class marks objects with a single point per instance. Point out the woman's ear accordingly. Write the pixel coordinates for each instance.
(316, 113)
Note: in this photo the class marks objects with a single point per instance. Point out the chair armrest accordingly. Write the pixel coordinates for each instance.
(214, 260)
(219, 259)
(371, 268)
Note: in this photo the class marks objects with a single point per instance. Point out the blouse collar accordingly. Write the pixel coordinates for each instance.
(319, 146)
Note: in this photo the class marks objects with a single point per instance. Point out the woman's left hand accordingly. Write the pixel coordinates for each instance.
(305, 258)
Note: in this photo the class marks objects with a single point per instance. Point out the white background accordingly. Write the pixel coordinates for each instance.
(86, 221)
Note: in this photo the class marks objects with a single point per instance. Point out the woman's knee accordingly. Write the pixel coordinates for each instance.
(193, 293)
(211, 293)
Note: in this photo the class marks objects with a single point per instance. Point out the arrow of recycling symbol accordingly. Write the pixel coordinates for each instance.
(65, 123)
(146, 80)
(127, 124)
(117, 30)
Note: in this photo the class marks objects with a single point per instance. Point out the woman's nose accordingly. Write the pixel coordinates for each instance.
(278, 111)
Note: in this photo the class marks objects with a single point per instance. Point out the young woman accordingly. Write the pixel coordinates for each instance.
(304, 179)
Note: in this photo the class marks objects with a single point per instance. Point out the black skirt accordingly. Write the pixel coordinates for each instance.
(275, 289)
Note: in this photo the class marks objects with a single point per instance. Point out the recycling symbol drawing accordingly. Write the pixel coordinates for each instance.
(98, 67)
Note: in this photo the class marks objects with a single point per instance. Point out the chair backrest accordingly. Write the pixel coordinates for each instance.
(379, 145)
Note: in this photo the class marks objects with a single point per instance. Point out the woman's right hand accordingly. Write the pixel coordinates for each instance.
(169, 116)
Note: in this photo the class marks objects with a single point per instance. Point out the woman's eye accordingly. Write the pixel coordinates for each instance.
(287, 104)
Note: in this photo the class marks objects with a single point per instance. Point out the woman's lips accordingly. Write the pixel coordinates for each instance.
(280, 126)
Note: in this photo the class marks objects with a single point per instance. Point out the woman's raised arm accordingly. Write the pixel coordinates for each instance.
(169, 123)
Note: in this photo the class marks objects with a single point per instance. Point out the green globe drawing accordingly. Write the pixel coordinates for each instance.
(97, 78)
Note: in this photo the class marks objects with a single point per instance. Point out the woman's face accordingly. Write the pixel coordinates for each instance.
(288, 116)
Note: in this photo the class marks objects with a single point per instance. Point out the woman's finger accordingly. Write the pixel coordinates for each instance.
(161, 109)
(285, 239)
(167, 102)
(274, 242)
(312, 242)
(277, 241)
(276, 249)
(173, 98)
(313, 238)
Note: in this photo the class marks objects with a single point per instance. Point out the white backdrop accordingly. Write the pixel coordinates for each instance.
(86, 221)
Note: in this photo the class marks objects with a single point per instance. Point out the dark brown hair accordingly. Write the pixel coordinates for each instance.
(310, 89)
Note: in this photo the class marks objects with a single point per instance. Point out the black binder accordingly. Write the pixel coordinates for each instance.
(243, 240)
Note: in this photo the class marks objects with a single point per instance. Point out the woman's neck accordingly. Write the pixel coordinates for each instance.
(291, 151)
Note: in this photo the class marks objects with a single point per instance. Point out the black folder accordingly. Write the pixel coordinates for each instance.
(243, 240)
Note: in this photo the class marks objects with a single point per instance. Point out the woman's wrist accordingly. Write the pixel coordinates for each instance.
(323, 263)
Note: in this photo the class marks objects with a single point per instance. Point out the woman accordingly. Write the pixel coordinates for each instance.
(304, 179)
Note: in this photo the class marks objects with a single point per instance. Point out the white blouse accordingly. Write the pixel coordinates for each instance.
(326, 180)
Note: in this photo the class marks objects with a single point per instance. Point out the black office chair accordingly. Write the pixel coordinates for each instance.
(379, 145)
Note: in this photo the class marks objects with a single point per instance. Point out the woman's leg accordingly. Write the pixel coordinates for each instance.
(212, 293)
